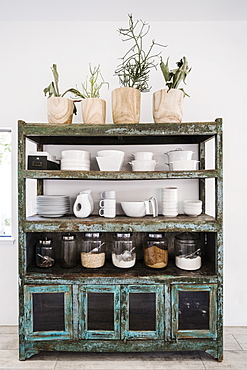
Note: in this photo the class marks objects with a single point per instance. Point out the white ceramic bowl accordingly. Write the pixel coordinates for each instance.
(192, 208)
(110, 163)
(134, 209)
(169, 213)
(79, 162)
(110, 153)
(143, 156)
(78, 155)
(192, 203)
(183, 165)
(179, 155)
(138, 165)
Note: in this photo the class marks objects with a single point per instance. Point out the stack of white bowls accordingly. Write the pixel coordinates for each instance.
(110, 160)
(143, 161)
(180, 160)
(192, 208)
(77, 160)
(52, 205)
(170, 202)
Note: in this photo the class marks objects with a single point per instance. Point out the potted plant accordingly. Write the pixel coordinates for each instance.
(59, 108)
(133, 73)
(93, 107)
(168, 103)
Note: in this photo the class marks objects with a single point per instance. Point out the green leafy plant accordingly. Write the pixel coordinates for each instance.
(53, 88)
(135, 66)
(174, 77)
(91, 87)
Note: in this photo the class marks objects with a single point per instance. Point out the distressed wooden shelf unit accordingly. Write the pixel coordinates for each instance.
(111, 309)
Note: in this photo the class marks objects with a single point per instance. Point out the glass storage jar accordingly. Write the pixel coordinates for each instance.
(156, 251)
(44, 254)
(92, 252)
(69, 255)
(123, 254)
(187, 251)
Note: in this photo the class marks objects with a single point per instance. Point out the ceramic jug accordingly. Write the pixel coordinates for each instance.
(83, 205)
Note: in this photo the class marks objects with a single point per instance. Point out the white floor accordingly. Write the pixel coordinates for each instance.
(235, 356)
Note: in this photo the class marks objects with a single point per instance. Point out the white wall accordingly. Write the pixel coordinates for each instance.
(217, 53)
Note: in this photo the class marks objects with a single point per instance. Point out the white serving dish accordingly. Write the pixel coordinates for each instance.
(183, 165)
(138, 165)
(134, 209)
(179, 155)
(110, 163)
(143, 156)
(110, 153)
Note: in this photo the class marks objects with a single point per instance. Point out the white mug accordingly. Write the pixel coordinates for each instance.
(107, 208)
(108, 194)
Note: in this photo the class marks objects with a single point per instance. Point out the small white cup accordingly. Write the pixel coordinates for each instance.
(108, 194)
(107, 208)
(107, 212)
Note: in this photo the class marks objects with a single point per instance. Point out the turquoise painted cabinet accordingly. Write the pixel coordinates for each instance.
(48, 312)
(111, 309)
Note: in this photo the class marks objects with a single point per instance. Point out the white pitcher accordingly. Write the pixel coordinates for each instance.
(83, 205)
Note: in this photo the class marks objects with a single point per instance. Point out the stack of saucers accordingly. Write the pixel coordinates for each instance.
(170, 202)
(75, 160)
(52, 205)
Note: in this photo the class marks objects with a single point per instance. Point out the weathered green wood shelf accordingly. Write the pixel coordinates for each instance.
(119, 175)
(112, 309)
(122, 223)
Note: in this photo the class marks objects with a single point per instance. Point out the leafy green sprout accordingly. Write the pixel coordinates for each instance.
(135, 66)
(91, 87)
(53, 88)
(174, 77)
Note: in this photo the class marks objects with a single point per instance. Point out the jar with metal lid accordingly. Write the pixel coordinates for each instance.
(156, 251)
(123, 254)
(187, 251)
(92, 252)
(44, 256)
(69, 254)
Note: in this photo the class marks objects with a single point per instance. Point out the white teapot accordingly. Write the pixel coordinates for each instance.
(84, 204)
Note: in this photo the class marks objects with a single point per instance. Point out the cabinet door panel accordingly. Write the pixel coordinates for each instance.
(142, 312)
(48, 312)
(194, 311)
(99, 312)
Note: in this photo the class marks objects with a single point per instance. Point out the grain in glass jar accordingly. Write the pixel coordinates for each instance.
(123, 254)
(156, 251)
(92, 252)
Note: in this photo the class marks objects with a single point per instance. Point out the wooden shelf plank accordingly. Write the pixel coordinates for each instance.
(121, 223)
(118, 175)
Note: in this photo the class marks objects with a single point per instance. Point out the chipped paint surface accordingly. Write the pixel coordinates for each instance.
(76, 285)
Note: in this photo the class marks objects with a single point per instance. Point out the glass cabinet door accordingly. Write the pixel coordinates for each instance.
(142, 312)
(99, 308)
(48, 312)
(194, 310)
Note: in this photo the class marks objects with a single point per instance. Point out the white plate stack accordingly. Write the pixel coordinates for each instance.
(170, 202)
(75, 160)
(52, 205)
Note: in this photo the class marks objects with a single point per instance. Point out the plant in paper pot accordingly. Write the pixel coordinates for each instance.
(168, 103)
(133, 73)
(93, 107)
(59, 108)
